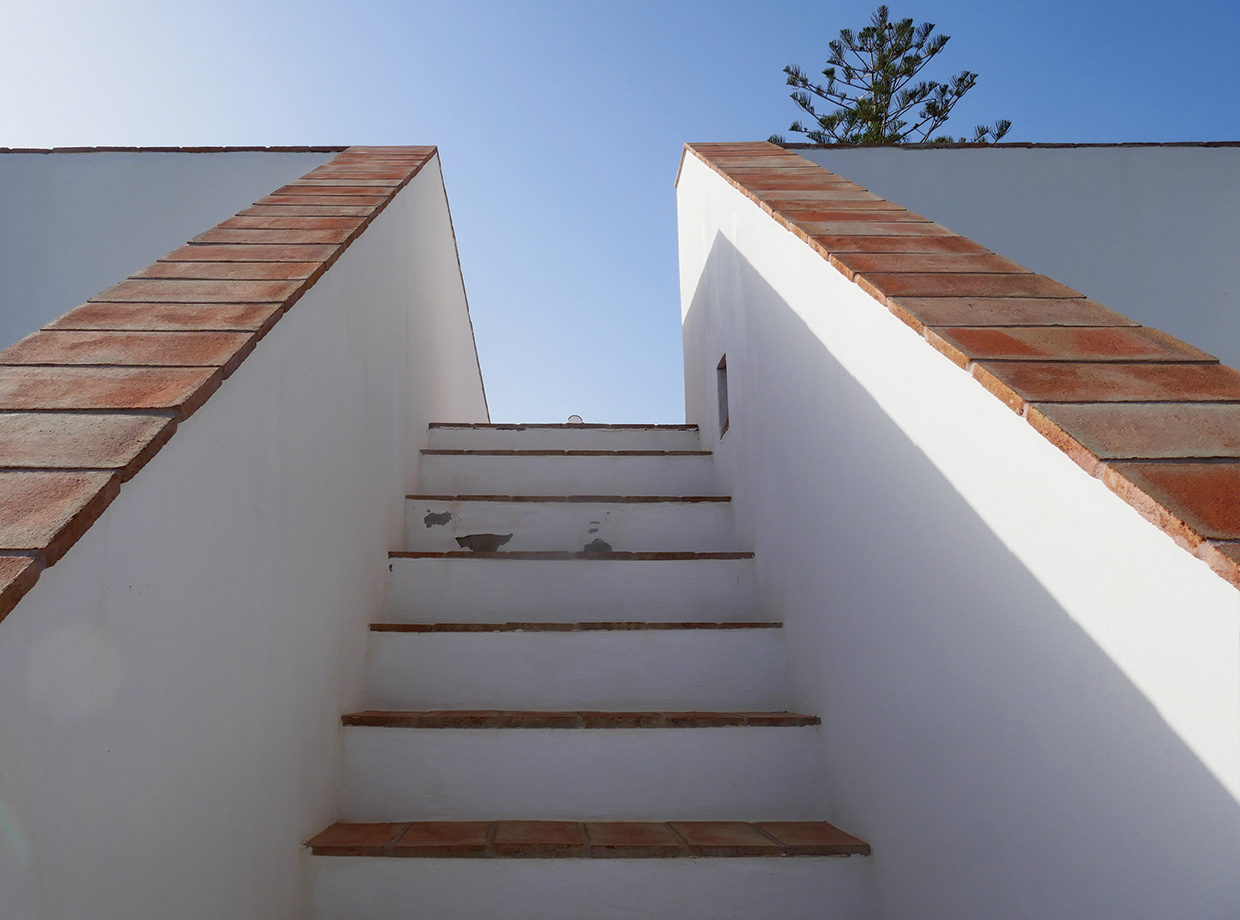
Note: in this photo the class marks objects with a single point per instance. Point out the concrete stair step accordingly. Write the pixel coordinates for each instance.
(581, 437)
(564, 472)
(486, 587)
(632, 523)
(573, 718)
(577, 666)
(715, 768)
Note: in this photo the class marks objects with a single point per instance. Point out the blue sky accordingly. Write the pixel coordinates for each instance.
(560, 126)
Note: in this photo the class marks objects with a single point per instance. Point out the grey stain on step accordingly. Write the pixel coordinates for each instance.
(597, 546)
(483, 542)
(432, 519)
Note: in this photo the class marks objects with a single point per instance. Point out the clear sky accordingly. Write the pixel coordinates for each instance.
(560, 126)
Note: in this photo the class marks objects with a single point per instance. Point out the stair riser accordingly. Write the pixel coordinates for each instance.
(800, 888)
(457, 474)
(501, 590)
(570, 526)
(564, 439)
(736, 773)
(737, 669)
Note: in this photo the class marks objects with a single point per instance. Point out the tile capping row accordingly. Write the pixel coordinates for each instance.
(1155, 419)
(89, 399)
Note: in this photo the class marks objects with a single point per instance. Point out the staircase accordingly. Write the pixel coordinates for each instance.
(576, 709)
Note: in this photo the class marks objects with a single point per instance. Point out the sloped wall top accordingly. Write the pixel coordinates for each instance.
(89, 399)
(1154, 418)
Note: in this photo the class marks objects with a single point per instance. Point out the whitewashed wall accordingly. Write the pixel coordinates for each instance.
(1030, 696)
(1150, 231)
(171, 690)
(71, 224)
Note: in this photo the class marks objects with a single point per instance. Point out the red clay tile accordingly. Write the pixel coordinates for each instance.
(48, 511)
(306, 210)
(632, 839)
(343, 188)
(64, 440)
(443, 839)
(701, 719)
(952, 284)
(864, 215)
(777, 719)
(149, 349)
(1162, 431)
(725, 838)
(896, 262)
(849, 230)
(810, 209)
(277, 252)
(454, 718)
(617, 719)
(814, 838)
(268, 237)
(182, 390)
(199, 270)
(1124, 344)
(1001, 311)
(1223, 558)
(170, 317)
(847, 241)
(1018, 382)
(1189, 500)
(813, 198)
(346, 839)
(161, 291)
(538, 838)
(291, 223)
(531, 719)
(17, 576)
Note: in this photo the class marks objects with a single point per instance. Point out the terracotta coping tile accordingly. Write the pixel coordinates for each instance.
(252, 253)
(816, 197)
(632, 839)
(305, 186)
(1223, 558)
(701, 719)
(920, 312)
(356, 839)
(201, 270)
(569, 719)
(257, 318)
(618, 719)
(538, 838)
(725, 838)
(1153, 431)
(17, 576)
(850, 242)
(1019, 382)
(149, 349)
(443, 839)
(274, 236)
(597, 625)
(63, 440)
(892, 262)
(539, 720)
(814, 838)
(290, 223)
(145, 290)
(311, 198)
(825, 213)
(46, 512)
(307, 210)
(567, 556)
(1190, 501)
(839, 228)
(180, 390)
(1126, 344)
(961, 284)
(807, 210)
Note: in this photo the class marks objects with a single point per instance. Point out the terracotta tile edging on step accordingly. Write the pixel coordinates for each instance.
(90, 398)
(1036, 345)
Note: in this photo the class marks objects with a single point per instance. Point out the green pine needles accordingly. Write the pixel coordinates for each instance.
(870, 81)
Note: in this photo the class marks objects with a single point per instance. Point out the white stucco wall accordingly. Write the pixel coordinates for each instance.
(71, 224)
(1030, 696)
(171, 690)
(1149, 231)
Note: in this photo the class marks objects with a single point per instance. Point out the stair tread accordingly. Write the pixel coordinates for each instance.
(564, 555)
(582, 499)
(583, 626)
(572, 426)
(555, 452)
(566, 719)
(586, 839)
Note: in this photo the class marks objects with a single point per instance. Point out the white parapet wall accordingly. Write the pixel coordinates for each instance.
(1030, 696)
(171, 690)
(73, 223)
(1150, 230)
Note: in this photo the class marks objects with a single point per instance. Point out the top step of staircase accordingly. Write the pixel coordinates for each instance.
(451, 436)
